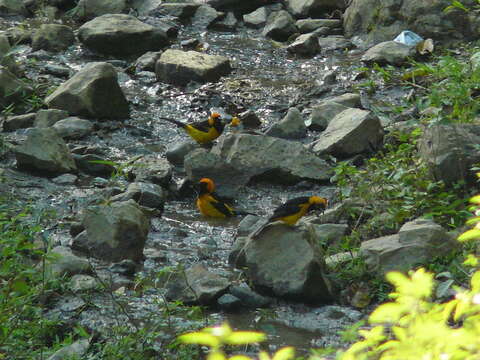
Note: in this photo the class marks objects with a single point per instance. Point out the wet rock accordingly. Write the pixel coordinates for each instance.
(292, 126)
(176, 152)
(11, 88)
(76, 350)
(285, 261)
(12, 7)
(280, 26)
(84, 283)
(388, 52)
(257, 18)
(305, 45)
(450, 151)
(334, 42)
(147, 61)
(92, 92)
(47, 118)
(351, 132)
(88, 164)
(312, 8)
(121, 35)
(145, 194)
(417, 242)
(153, 169)
(180, 10)
(89, 9)
(73, 128)
(65, 179)
(248, 297)
(44, 150)
(229, 302)
(13, 123)
(329, 234)
(57, 70)
(197, 285)
(113, 232)
(180, 67)
(228, 23)
(250, 119)
(53, 37)
(204, 16)
(323, 114)
(125, 267)
(64, 263)
(308, 25)
(348, 99)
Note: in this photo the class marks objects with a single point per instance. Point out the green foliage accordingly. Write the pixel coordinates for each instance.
(215, 338)
(455, 4)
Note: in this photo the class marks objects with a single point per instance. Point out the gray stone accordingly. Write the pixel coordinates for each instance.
(113, 232)
(57, 70)
(204, 16)
(305, 45)
(250, 119)
(181, 10)
(388, 52)
(154, 169)
(329, 234)
(228, 23)
(248, 297)
(313, 8)
(229, 302)
(91, 164)
(75, 350)
(89, 9)
(351, 132)
(280, 26)
(12, 7)
(257, 18)
(292, 126)
(145, 194)
(65, 179)
(63, 262)
(73, 128)
(92, 92)
(176, 152)
(12, 89)
(84, 283)
(53, 37)
(308, 25)
(48, 117)
(180, 67)
(418, 242)
(147, 61)
(13, 123)
(44, 150)
(450, 151)
(197, 285)
(146, 7)
(121, 35)
(323, 114)
(7, 58)
(334, 42)
(348, 99)
(285, 261)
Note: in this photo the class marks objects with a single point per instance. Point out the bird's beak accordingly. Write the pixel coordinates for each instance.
(235, 121)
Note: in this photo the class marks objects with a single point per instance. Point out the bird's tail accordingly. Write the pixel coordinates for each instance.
(173, 121)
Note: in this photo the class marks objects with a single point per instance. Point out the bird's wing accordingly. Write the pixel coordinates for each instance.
(291, 207)
(201, 126)
(222, 207)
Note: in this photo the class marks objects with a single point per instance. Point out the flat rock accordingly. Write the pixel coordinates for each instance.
(48, 117)
(292, 126)
(73, 127)
(53, 37)
(305, 45)
(323, 114)
(257, 18)
(13, 123)
(180, 67)
(89, 9)
(44, 150)
(388, 52)
(334, 42)
(280, 26)
(153, 169)
(93, 92)
(308, 25)
(145, 194)
(351, 132)
(312, 8)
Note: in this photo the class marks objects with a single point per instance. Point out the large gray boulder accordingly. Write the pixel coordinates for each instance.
(418, 242)
(280, 26)
(92, 92)
(323, 114)
(122, 35)
(237, 158)
(286, 262)
(351, 132)
(313, 8)
(292, 126)
(180, 67)
(154, 169)
(53, 37)
(145, 194)
(44, 150)
(205, 16)
(388, 52)
(379, 20)
(257, 18)
(305, 45)
(12, 7)
(113, 232)
(197, 285)
(181, 10)
(450, 151)
(12, 89)
(89, 9)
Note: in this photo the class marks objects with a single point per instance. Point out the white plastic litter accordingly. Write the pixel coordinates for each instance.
(408, 37)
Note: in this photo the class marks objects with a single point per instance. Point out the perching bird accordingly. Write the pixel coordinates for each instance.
(290, 212)
(204, 132)
(210, 205)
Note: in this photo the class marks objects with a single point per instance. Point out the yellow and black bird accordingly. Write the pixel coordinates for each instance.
(204, 132)
(291, 211)
(210, 205)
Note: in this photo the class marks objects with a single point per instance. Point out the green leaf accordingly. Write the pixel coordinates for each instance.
(216, 355)
(200, 338)
(469, 235)
(244, 337)
(285, 353)
(239, 357)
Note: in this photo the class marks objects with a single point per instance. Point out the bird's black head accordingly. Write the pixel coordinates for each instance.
(317, 203)
(205, 186)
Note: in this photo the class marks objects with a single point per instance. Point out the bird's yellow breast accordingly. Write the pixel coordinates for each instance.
(200, 136)
(292, 219)
(204, 205)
